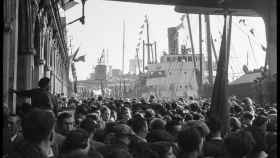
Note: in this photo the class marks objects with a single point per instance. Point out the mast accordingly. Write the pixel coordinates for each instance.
(123, 46)
(155, 44)
(190, 34)
(143, 56)
(138, 62)
(214, 50)
(148, 39)
(209, 54)
(200, 51)
(152, 52)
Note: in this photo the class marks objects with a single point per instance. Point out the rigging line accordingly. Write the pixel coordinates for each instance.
(252, 51)
(246, 33)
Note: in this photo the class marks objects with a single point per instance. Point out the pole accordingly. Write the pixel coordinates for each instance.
(120, 91)
(200, 51)
(155, 44)
(209, 54)
(219, 106)
(143, 56)
(190, 34)
(229, 37)
(214, 50)
(124, 90)
(123, 46)
(152, 52)
(148, 39)
(137, 50)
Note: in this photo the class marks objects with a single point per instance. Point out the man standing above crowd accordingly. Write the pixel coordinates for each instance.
(40, 97)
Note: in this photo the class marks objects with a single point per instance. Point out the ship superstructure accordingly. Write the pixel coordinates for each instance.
(175, 76)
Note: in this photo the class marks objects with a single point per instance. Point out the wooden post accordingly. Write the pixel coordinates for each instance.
(208, 41)
(190, 34)
(148, 39)
(155, 44)
(143, 56)
(200, 51)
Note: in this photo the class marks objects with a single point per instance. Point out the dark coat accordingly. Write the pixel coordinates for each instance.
(24, 149)
(40, 98)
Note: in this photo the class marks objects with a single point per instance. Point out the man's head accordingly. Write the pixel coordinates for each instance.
(123, 133)
(139, 126)
(173, 127)
(239, 144)
(190, 140)
(38, 126)
(14, 124)
(157, 124)
(65, 123)
(105, 113)
(90, 125)
(44, 83)
(76, 140)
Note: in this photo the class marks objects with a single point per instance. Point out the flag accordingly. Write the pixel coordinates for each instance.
(72, 57)
(263, 48)
(252, 32)
(219, 106)
(182, 17)
(80, 58)
(141, 32)
(179, 26)
(142, 26)
(76, 52)
(146, 19)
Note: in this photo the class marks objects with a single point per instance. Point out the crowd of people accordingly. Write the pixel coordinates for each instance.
(100, 127)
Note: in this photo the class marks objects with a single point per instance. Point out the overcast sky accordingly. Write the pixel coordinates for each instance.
(103, 29)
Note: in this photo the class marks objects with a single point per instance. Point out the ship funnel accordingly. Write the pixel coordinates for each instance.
(173, 45)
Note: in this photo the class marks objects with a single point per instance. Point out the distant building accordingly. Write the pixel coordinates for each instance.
(116, 73)
(133, 66)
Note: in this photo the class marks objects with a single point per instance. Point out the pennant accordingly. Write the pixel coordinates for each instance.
(263, 48)
(76, 52)
(141, 32)
(180, 26)
(182, 17)
(146, 19)
(252, 32)
(142, 26)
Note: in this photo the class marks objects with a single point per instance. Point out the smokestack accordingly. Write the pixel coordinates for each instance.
(173, 46)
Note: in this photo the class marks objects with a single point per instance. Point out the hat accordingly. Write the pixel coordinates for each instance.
(123, 129)
(158, 123)
(201, 125)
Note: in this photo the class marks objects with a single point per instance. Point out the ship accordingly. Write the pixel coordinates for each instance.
(174, 76)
